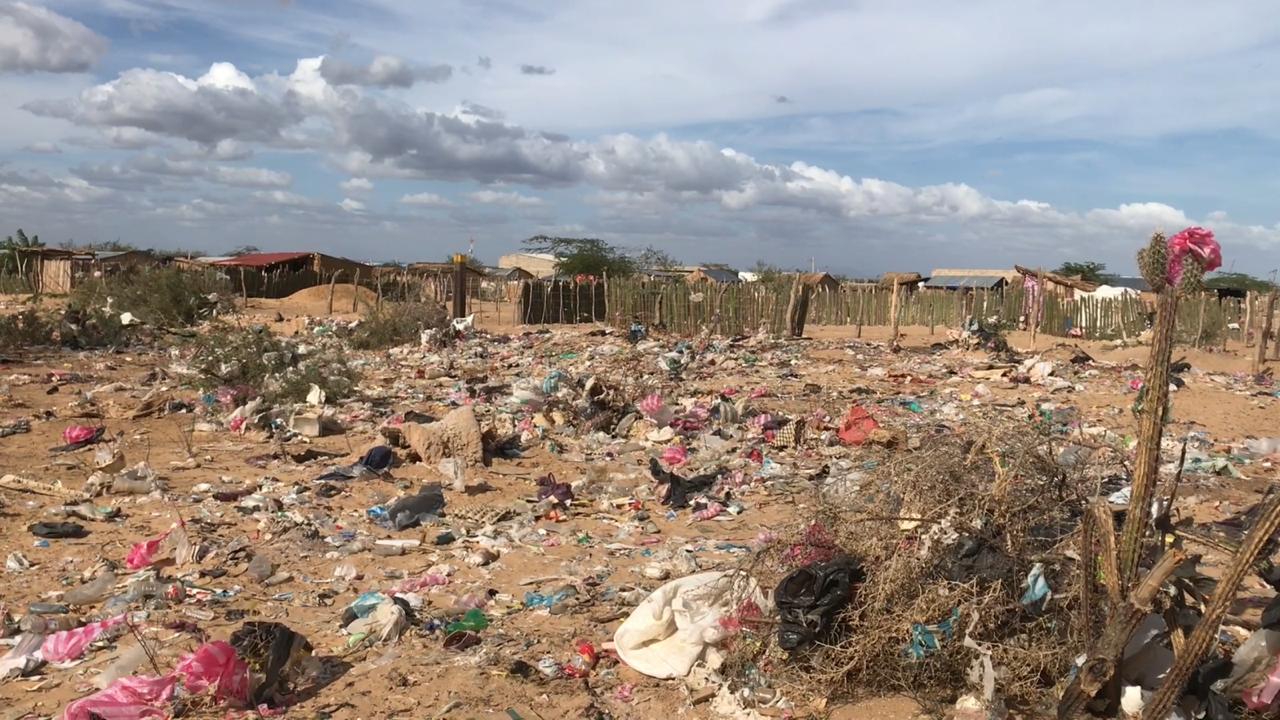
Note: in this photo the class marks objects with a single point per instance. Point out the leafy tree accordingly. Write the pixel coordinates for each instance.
(108, 246)
(245, 250)
(11, 257)
(583, 256)
(1237, 281)
(651, 258)
(767, 273)
(1089, 270)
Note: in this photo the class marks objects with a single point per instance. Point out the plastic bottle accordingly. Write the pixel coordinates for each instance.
(95, 591)
(48, 609)
(45, 624)
(474, 620)
(149, 589)
(132, 486)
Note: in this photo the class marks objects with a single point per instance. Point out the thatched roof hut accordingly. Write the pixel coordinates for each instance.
(908, 279)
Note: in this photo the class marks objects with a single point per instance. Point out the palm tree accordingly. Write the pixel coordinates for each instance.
(11, 255)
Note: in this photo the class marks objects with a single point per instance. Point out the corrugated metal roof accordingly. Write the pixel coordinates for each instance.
(964, 281)
(262, 259)
(721, 275)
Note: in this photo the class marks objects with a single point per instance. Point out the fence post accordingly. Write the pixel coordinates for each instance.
(333, 283)
(1038, 312)
(1260, 358)
(355, 295)
(893, 319)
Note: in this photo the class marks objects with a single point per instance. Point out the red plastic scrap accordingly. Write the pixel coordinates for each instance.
(856, 426)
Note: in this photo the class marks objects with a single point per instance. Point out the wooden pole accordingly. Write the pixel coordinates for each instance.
(333, 282)
(1248, 317)
(355, 295)
(459, 285)
(244, 288)
(862, 299)
(893, 317)
(1200, 325)
(1260, 357)
(1038, 311)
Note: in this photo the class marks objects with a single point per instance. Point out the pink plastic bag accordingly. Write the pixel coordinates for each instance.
(213, 667)
(675, 455)
(71, 644)
(1265, 695)
(77, 434)
(129, 698)
(144, 553)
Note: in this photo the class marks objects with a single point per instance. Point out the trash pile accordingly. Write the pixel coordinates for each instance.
(622, 523)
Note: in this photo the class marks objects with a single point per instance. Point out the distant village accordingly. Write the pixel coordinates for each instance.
(267, 274)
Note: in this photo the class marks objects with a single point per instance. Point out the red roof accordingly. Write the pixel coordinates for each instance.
(262, 259)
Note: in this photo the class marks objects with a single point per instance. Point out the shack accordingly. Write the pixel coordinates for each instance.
(280, 274)
(56, 271)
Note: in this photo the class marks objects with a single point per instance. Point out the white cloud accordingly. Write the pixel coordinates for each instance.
(356, 185)
(285, 198)
(383, 71)
(425, 199)
(250, 177)
(509, 199)
(221, 105)
(36, 39)
(351, 206)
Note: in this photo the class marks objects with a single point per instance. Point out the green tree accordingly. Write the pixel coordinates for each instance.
(651, 258)
(1089, 270)
(767, 273)
(244, 250)
(11, 256)
(583, 256)
(1238, 281)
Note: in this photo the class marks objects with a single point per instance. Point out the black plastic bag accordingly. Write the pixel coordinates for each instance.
(809, 599)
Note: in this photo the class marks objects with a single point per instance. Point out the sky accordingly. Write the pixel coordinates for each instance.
(858, 135)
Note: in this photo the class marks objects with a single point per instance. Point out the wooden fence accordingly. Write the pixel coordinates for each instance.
(744, 308)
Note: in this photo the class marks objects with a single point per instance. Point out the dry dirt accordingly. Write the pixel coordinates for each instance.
(417, 678)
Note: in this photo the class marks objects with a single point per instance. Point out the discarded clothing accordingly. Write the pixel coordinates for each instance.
(675, 490)
(374, 463)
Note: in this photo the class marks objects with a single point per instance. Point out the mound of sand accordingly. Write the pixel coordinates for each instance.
(342, 296)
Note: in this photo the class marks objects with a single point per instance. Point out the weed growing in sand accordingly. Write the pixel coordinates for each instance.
(397, 324)
(26, 329)
(278, 369)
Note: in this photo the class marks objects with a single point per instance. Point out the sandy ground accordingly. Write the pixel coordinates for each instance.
(417, 677)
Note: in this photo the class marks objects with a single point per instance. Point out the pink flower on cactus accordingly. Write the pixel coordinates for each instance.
(1197, 243)
(675, 455)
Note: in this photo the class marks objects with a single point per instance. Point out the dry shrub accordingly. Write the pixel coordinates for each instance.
(906, 520)
(278, 369)
(168, 297)
(397, 324)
